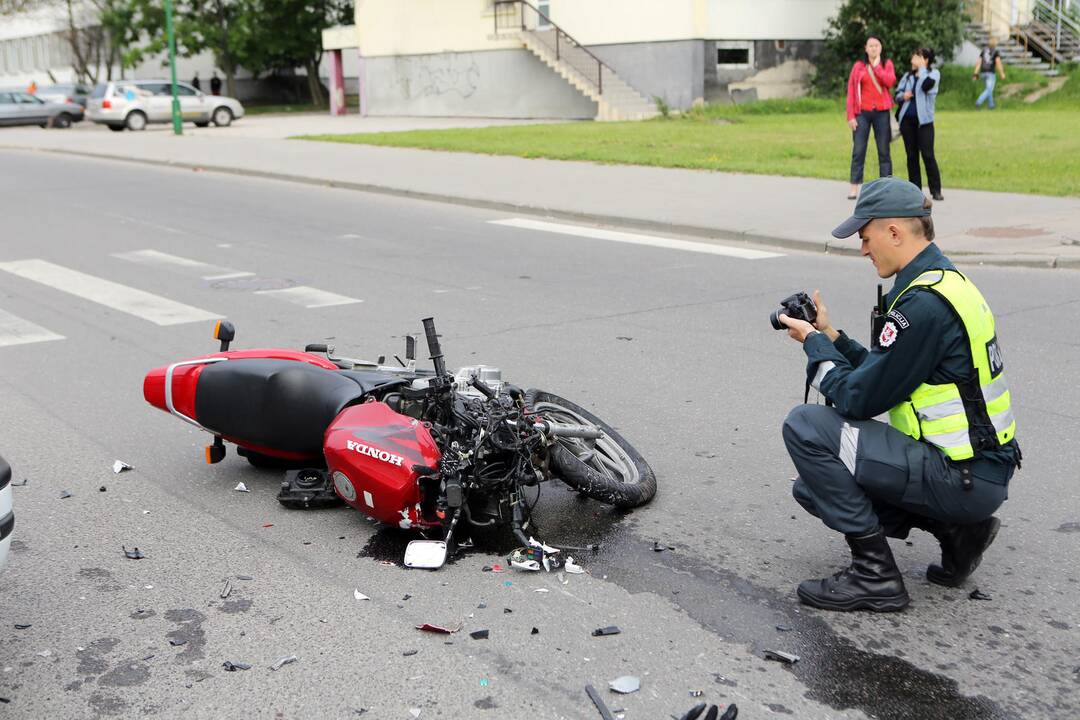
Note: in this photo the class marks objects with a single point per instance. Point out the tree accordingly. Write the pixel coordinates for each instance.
(901, 25)
(220, 26)
(287, 34)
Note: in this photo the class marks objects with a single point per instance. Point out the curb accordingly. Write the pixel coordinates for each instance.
(825, 247)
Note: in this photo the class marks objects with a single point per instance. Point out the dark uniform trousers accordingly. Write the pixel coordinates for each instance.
(858, 474)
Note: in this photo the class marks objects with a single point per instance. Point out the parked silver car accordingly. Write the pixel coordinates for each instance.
(22, 108)
(65, 92)
(133, 104)
(7, 514)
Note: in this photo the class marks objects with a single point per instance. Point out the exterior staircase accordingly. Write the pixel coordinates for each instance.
(614, 97)
(1013, 53)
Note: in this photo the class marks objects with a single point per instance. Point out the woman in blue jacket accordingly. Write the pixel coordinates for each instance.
(915, 94)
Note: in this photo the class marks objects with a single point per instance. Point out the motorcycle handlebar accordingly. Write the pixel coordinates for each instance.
(315, 347)
(433, 346)
(587, 432)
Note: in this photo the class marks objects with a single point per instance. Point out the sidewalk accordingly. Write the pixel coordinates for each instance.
(798, 213)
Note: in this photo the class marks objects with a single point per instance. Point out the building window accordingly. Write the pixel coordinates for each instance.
(734, 54)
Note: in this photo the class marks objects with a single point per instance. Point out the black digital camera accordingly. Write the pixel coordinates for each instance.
(798, 306)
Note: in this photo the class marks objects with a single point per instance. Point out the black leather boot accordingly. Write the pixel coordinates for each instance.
(962, 548)
(871, 582)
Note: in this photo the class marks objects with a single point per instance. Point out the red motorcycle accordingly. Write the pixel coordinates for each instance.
(410, 447)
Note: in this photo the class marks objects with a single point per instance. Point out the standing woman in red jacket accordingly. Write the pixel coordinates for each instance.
(869, 100)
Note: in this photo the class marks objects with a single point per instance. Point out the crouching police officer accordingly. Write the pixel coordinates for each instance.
(944, 461)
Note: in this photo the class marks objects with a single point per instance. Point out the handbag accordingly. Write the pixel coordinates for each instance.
(894, 124)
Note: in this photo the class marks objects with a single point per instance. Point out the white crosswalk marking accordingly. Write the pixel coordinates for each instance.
(16, 331)
(156, 258)
(309, 297)
(141, 304)
(637, 239)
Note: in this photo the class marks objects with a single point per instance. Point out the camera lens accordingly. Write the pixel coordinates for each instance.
(774, 318)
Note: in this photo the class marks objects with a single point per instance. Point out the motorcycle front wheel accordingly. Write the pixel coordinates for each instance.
(609, 469)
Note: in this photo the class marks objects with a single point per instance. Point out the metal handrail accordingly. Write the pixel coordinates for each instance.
(560, 36)
(988, 13)
(1057, 15)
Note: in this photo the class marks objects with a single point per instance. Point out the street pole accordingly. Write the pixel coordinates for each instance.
(177, 124)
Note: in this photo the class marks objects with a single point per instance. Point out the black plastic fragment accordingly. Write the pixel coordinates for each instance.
(507, 611)
(134, 554)
(20, 626)
(409, 653)
(177, 642)
(657, 547)
(609, 630)
(536, 631)
(784, 628)
(231, 666)
(695, 712)
(101, 489)
(479, 634)
(65, 494)
(21, 483)
(599, 703)
(977, 594)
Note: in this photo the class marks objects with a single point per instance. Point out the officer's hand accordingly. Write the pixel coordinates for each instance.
(822, 323)
(797, 329)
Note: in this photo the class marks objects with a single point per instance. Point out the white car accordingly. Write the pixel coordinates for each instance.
(133, 104)
(7, 514)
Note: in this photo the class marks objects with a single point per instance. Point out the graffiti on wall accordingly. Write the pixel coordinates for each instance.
(432, 75)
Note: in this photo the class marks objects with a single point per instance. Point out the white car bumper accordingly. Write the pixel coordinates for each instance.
(7, 522)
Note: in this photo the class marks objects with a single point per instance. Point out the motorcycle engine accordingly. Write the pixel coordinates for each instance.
(490, 376)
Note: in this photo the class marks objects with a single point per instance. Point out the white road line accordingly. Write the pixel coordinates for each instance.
(309, 297)
(141, 304)
(636, 239)
(156, 258)
(16, 331)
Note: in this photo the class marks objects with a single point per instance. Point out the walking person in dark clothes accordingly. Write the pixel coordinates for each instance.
(215, 84)
(916, 94)
(944, 460)
(195, 82)
(869, 100)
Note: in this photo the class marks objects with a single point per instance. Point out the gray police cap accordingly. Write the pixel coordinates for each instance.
(886, 197)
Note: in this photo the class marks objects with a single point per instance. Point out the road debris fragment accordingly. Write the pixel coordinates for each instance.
(226, 590)
(101, 489)
(697, 693)
(283, 661)
(781, 656)
(609, 630)
(535, 631)
(657, 547)
(359, 595)
(120, 466)
(409, 653)
(241, 487)
(415, 712)
(625, 684)
(231, 666)
(540, 590)
(784, 628)
(599, 703)
(572, 567)
(977, 594)
(428, 627)
(65, 494)
(480, 634)
(21, 483)
(177, 642)
(20, 626)
(134, 554)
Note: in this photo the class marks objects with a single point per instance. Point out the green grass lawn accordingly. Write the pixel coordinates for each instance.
(1017, 148)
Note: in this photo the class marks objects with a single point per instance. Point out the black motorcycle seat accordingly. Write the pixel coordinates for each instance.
(280, 404)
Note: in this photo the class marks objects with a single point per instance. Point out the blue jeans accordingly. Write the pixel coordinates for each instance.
(879, 121)
(988, 94)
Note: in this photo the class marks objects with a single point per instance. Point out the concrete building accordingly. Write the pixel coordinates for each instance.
(516, 59)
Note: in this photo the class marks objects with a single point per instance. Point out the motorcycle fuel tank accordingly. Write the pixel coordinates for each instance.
(373, 455)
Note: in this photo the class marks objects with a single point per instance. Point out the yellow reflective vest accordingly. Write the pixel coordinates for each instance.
(961, 418)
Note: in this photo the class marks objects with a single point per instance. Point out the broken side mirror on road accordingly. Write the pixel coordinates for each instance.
(425, 554)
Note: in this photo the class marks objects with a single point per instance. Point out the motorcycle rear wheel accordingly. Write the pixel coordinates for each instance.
(609, 470)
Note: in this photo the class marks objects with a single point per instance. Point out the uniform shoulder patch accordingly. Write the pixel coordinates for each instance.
(889, 333)
(901, 321)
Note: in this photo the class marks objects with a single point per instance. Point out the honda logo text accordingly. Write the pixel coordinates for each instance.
(375, 453)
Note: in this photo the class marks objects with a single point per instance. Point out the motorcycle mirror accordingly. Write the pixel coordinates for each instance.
(410, 347)
(425, 554)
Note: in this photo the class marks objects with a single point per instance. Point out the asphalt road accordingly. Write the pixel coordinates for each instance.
(672, 347)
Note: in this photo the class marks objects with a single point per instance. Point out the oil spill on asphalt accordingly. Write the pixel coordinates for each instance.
(834, 670)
